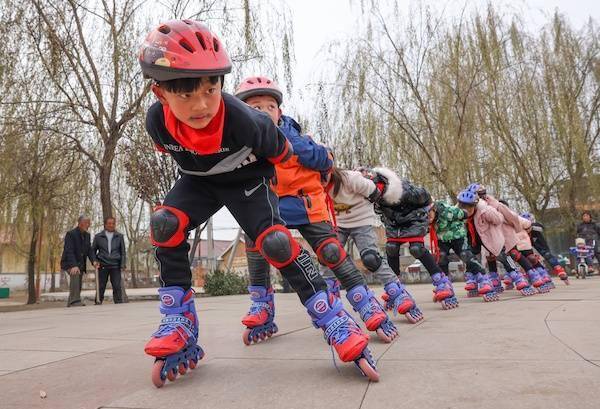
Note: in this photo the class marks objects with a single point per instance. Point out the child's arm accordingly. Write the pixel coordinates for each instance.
(452, 213)
(310, 154)
(492, 216)
(358, 184)
(269, 142)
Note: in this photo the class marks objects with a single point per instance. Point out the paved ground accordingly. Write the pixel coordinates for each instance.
(536, 352)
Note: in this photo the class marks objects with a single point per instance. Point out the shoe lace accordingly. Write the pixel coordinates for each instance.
(175, 323)
(258, 306)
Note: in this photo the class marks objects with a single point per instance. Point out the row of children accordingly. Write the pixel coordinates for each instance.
(241, 152)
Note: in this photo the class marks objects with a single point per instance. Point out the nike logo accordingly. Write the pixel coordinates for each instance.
(248, 193)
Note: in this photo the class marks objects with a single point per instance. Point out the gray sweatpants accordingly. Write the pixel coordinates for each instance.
(365, 239)
(75, 283)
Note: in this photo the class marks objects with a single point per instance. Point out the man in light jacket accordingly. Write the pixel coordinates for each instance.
(109, 249)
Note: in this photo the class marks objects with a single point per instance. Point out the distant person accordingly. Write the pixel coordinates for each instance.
(76, 248)
(590, 231)
(109, 249)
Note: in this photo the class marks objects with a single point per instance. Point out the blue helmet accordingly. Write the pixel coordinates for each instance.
(527, 216)
(467, 197)
(473, 187)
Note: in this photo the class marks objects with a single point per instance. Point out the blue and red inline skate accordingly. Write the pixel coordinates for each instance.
(342, 332)
(514, 279)
(480, 285)
(398, 300)
(259, 320)
(372, 313)
(174, 345)
(443, 291)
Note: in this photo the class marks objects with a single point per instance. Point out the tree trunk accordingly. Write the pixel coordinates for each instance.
(105, 195)
(31, 293)
(132, 267)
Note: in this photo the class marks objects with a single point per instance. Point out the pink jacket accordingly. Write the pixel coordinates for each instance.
(488, 223)
(524, 242)
(512, 225)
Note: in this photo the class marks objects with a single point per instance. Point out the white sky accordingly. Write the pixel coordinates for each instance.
(319, 22)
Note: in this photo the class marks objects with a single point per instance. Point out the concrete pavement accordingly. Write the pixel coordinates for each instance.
(536, 352)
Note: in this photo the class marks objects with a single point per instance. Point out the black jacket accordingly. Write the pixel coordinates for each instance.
(117, 249)
(250, 141)
(407, 217)
(77, 248)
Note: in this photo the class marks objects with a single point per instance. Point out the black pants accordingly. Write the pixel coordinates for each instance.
(417, 249)
(461, 250)
(114, 272)
(314, 234)
(253, 205)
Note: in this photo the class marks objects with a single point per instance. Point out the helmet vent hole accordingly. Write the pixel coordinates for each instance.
(201, 40)
(186, 45)
(188, 22)
(215, 45)
(164, 29)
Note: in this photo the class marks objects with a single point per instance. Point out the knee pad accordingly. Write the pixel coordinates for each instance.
(168, 226)
(417, 250)
(533, 259)
(371, 259)
(331, 253)
(392, 249)
(278, 246)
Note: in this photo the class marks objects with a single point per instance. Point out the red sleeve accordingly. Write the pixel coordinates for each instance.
(159, 148)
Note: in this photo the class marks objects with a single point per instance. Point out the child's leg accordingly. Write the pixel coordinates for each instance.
(444, 261)
(557, 269)
(366, 241)
(190, 202)
(392, 252)
(258, 216)
(514, 275)
(259, 320)
(333, 284)
(323, 239)
(534, 276)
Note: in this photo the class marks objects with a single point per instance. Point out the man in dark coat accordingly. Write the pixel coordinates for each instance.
(109, 250)
(77, 248)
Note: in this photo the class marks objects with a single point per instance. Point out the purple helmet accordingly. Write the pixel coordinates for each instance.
(467, 197)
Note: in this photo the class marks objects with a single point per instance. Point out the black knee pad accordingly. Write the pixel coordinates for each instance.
(331, 253)
(417, 250)
(167, 226)
(392, 249)
(532, 258)
(371, 259)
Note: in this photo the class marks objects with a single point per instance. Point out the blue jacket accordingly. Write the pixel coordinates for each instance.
(299, 182)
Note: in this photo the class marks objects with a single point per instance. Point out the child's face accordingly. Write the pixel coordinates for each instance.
(431, 216)
(469, 209)
(195, 109)
(266, 104)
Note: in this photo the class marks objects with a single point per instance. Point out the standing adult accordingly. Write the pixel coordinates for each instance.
(76, 249)
(590, 231)
(109, 249)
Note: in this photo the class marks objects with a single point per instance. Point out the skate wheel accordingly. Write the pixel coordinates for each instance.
(192, 364)
(269, 334)
(172, 374)
(263, 336)
(383, 336)
(368, 370)
(182, 369)
(255, 339)
(157, 378)
(246, 337)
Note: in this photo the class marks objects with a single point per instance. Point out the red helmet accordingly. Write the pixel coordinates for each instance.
(253, 86)
(183, 49)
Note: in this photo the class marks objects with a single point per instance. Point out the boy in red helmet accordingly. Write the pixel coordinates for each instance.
(302, 205)
(225, 152)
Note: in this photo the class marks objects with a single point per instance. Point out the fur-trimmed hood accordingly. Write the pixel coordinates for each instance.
(394, 190)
